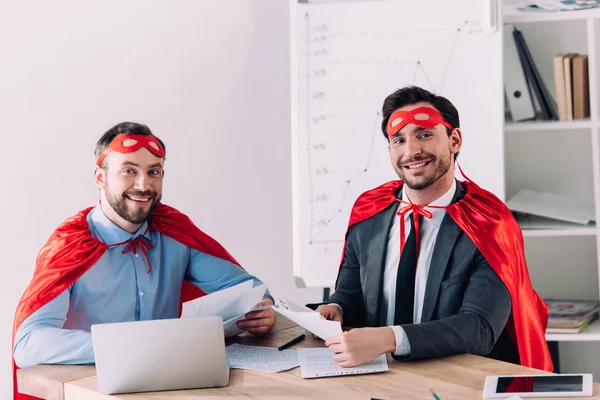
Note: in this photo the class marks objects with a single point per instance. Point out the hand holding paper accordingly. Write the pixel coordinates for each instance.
(362, 345)
(233, 305)
(308, 319)
(260, 320)
(330, 312)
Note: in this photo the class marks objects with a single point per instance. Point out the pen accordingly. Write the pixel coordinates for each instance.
(435, 396)
(291, 342)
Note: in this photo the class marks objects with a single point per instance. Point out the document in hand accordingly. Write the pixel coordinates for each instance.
(231, 304)
(308, 319)
(319, 363)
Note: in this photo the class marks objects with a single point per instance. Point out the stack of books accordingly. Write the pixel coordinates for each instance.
(571, 316)
(572, 87)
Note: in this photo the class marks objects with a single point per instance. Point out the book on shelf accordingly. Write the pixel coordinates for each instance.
(581, 87)
(568, 63)
(570, 316)
(559, 86)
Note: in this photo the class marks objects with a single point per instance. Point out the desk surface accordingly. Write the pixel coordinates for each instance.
(452, 378)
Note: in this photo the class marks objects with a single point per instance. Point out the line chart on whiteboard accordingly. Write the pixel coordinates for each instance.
(345, 71)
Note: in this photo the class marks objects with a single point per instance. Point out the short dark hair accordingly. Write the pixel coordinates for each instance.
(414, 94)
(120, 129)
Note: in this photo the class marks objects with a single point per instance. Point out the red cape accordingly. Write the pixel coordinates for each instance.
(72, 250)
(495, 232)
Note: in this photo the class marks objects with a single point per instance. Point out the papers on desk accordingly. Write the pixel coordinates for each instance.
(262, 359)
(319, 363)
(231, 304)
(308, 319)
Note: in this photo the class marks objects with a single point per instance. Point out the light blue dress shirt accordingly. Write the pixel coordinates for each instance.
(118, 288)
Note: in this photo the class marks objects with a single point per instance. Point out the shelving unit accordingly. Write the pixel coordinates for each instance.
(561, 157)
(532, 126)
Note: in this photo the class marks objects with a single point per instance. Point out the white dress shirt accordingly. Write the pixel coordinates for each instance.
(429, 229)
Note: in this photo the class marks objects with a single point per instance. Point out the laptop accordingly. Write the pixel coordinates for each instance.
(166, 354)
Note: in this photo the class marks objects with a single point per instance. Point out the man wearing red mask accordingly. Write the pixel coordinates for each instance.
(129, 258)
(433, 266)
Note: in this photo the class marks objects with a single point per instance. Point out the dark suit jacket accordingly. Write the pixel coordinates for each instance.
(466, 305)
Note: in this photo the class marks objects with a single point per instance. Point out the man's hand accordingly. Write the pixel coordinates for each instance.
(330, 312)
(361, 345)
(259, 322)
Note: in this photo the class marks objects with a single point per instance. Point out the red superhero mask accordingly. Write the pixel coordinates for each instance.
(130, 142)
(425, 117)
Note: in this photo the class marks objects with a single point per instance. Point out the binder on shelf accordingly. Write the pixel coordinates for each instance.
(559, 85)
(534, 79)
(581, 88)
(515, 84)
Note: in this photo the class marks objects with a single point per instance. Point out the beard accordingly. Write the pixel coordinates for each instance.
(438, 167)
(139, 215)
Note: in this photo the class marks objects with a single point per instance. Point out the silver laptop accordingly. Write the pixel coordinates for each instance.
(166, 354)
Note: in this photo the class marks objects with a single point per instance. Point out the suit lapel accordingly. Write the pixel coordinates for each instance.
(446, 238)
(379, 229)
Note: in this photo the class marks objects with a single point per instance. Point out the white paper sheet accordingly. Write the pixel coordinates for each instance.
(552, 205)
(308, 319)
(319, 363)
(206, 306)
(231, 304)
(262, 359)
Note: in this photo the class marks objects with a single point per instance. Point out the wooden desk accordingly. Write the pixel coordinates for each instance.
(452, 378)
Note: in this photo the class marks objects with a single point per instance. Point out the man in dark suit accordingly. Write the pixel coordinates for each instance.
(413, 282)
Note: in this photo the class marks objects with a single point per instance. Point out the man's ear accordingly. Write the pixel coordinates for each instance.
(100, 177)
(456, 140)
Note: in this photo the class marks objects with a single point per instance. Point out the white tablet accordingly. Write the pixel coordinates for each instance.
(559, 385)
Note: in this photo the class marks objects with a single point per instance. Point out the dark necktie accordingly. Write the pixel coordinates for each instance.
(405, 280)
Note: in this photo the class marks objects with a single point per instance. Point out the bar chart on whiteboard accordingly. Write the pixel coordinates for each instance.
(346, 58)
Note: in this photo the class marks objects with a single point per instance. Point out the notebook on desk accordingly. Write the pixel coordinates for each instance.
(167, 354)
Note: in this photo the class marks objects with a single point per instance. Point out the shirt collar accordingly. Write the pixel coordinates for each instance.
(437, 213)
(111, 233)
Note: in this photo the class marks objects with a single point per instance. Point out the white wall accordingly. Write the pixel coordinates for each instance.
(210, 77)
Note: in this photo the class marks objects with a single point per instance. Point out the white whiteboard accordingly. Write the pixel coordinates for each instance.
(346, 58)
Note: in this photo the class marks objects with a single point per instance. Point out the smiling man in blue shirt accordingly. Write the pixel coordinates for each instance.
(141, 253)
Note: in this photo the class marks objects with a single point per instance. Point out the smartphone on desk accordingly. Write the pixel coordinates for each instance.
(525, 386)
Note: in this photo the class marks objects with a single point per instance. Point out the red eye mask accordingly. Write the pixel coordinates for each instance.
(425, 117)
(130, 142)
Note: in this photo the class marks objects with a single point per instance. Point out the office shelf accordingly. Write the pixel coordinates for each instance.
(583, 231)
(547, 125)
